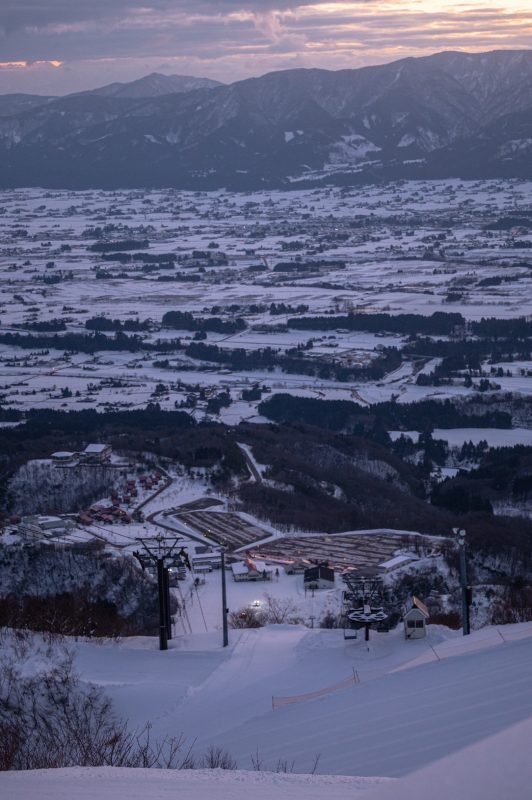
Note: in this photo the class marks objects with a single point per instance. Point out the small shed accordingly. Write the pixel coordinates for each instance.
(319, 577)
(415, 617)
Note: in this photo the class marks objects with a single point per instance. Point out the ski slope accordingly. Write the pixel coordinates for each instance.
(416, 702)
(396, 723)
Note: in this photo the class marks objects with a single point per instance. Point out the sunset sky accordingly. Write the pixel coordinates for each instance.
(59, 46)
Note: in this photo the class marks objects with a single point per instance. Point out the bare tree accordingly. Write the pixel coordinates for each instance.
(246, 618)
(281, 610)
(51, 719)
(217, 758)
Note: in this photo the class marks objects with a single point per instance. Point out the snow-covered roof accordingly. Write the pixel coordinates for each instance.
(45, 520)
(397, 561)
(417, 603)
(62, 454)
(262, 566)
(41, 519)
(245, 567)
(239, 568)
(95, 448)
(203, 558)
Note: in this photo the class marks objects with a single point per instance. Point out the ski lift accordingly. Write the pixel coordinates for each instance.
(367, 615)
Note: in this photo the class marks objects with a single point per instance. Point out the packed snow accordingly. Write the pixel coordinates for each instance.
(458, 723)
(414, 702)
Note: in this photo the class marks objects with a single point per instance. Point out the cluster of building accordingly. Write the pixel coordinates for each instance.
(39, 526)
(414, 613)
(204, 258)
(109, 514)
(318, 576)
(150, 481)
(93, 454)
(106, 514)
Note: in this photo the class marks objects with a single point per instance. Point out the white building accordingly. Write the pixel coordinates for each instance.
(206, 562)
(96, 453)
(398, 561)
(39, 527)
(251, 570)
(63, 457)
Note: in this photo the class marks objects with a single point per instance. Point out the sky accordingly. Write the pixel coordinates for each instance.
(61, 46)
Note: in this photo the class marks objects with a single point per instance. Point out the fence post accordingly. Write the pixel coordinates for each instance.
(435, 653)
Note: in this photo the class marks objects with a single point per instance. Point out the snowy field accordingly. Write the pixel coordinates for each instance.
(456, 437)
(405, 247)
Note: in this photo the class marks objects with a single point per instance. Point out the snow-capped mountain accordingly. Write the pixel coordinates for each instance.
(154, 85)
(450, 114)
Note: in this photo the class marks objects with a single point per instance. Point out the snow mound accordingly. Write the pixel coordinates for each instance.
(494, 768)
(117, 783)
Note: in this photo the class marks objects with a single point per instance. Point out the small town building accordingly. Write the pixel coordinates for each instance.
(205, 559)
(398, 561)
(319, 577)
(251, 570)
(201, 569)
(38, 527)
(415, 618)
(97, 453)
(63, 457)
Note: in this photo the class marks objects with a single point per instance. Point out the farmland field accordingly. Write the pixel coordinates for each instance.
(248, 264)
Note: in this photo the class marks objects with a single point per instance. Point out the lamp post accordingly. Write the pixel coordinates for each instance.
(466, 591)
(224, 599)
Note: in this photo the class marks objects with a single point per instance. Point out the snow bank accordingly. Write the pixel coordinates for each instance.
(108, 783)
(495, 768)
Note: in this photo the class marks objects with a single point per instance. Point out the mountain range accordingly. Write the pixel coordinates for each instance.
(452, 114)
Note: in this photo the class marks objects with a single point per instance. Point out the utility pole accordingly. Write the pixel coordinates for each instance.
(224, 599)
(466, 590)
(160, 553)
